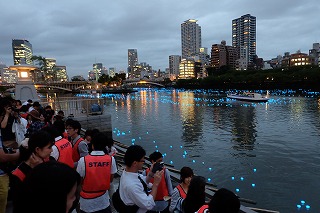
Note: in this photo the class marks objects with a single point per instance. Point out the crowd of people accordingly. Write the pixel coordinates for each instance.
(49, 167)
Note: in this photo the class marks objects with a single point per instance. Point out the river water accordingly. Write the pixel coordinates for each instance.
(266, 152)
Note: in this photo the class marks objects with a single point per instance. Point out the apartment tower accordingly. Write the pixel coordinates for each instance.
(22, 52)
(174, 61)
(132, 61)
(190, 38)
(244, 38)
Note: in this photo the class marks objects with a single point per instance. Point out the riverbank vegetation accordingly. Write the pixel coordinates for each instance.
(303, 77)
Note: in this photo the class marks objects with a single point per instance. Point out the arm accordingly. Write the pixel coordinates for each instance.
(4, 122)
(83, 149)
(174, 199)
(8, 157)
(168, 182)
(113, 168)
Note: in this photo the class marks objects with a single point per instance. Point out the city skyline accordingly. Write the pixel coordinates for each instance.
(79, 34)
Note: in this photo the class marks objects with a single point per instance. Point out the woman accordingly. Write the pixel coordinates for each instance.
(180, 192)
(38, 151)
(51, 187)
(196, 196)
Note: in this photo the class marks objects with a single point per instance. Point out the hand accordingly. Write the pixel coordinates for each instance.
(34, 160)
(156, 167)
(157, 177)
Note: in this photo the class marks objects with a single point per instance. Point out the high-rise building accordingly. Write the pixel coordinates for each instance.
(315, 53)
(132, 61)
(190, 38)
(112, 71)
(244, 38)
(97, 68)
(22, 52)
(187, 69)
(174, 61)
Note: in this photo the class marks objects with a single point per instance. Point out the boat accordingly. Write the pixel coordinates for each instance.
(248, 96)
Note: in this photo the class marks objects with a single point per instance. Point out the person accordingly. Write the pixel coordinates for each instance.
(19, 126)
(80, 147)
(62, 148)
(110, 148)
(88, 135)
(132, 186)
(8, 137)
(165, 186)
(97, 170)
(18, 104)
(38, 122)
(181, 190)
(50, 187)
(223, 201)
(38, 151)
(4, 177)
(196, 195)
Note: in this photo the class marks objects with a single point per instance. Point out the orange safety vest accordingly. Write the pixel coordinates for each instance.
(182, 193)
(162, 188)
(17, 172)
(65, 152)
(75, 152)
(65, 135)
(97, 176)
(203, 209)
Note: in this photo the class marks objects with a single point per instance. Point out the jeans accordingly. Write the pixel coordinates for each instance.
(4, 188)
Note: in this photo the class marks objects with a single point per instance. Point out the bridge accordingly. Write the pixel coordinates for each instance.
(139, 81)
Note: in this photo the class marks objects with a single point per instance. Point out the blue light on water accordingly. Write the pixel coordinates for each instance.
(298, 206)
(303, 202)
(170, 146)
(237, 190)
(171, 162)
(210, 169)
(242, 178)
(308, 207)
(254, 170)
(232, 178)
(253, 184)
(209, 179)
(193, 161)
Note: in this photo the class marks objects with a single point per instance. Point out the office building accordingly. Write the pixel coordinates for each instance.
(315, 53)
(112, 72)
(22, 52)
(187, 69)
(60, 74)
(174, 61)
(190, 38)
(244, 39)
(132, 61)
(97, 68)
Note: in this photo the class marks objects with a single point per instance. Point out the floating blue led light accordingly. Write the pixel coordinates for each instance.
(298, 206)
(181, 147)
(193, 161)
(209, 179)
(232, 178)
(303, 202)
(171, 162)
(170, 147)
(210, 169)
(253, 184)
(254, 170)
(237, 190)
(308, 207)
(242, 178)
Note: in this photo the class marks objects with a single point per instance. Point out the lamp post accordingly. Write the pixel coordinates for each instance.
(24, 89)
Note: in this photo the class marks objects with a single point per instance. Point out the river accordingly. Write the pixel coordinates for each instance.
(266, 152)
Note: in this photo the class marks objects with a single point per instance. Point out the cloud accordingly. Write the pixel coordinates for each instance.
(80, 33)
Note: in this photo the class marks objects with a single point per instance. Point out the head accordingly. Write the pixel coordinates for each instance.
(99, 141)
(40, 143)
(73, 128)
(88, 135)
(156, 157)
(134, 156)
(48, 182)
(224, 201)
(34, 115)
(61, 113)
(36, 105)
(186, 174)
(60, 126)
(196, 195)
(18, 103)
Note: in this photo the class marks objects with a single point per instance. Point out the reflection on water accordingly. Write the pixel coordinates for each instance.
(267, 152)
(191, 118)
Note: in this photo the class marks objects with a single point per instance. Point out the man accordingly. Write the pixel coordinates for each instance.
(132, 186)
(80, 147)
(165, 186)
(97, 170)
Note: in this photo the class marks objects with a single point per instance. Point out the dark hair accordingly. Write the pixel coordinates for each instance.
(155, 156)
(52, 130)
(48, 107)
(99, 141)
(133, 153)
(36, 104)
(38, 139)
(75, 125)
(59, 125)
(196, 195)
(185, 172)
(24, 108)
(49, 182)
(18, 101)
(224, 201)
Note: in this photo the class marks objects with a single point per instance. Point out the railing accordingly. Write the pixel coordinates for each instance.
(76, 106)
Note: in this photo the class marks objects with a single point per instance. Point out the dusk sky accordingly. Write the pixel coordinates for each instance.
(79, 33)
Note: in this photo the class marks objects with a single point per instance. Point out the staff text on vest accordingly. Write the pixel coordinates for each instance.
(98, 164)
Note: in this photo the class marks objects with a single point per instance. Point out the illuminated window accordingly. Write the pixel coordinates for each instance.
(24, 74)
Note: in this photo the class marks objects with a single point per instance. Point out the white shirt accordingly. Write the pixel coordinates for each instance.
(132, 192)
(99, 203)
